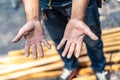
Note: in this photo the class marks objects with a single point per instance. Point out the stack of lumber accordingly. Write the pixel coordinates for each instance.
(17, 67)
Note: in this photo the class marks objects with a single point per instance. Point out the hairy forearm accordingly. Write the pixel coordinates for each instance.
(79, 8)
(32, 10)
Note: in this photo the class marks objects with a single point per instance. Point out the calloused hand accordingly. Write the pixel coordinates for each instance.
(34, 36)
(73, 37)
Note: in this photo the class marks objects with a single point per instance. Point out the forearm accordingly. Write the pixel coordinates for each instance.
(79, 8)
(32, 10)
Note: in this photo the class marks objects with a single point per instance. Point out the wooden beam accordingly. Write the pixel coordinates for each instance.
(30, 64)
(111, 30)
(111, 48)
(111, 35)
(88, 70)
(113, 43)
(33, 70)
(16, 52)
(85, 77)
(110, 58)
(83, 60)
(116, 38)
(84, 71)
(47, 74)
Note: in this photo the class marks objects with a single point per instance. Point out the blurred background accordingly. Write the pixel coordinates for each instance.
(12, 17)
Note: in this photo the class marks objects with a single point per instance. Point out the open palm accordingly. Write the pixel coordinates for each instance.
(73, 37)
(33, 33)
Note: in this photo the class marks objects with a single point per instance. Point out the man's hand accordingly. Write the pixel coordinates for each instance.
(73, 37)
(34, 36)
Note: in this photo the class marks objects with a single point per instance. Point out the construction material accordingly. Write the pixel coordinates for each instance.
(17, 66)
(86, 77)
(47, 74)
(31, 64)
(32, 71)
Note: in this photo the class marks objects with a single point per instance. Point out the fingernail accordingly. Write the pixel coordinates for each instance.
(63, 55)
(96, 38)
(13, 41)
(57, 47)
(26, 55)
(68, 57)
(34, 57)
(77, 55)
(49, 47)
(41, 56)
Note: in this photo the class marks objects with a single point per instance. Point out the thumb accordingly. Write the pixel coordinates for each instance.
(90, 34)
(27, 27)
(18, 36)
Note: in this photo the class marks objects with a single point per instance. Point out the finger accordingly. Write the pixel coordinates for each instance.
(18, 36)
(66, 49)
(71, 50)
(34, 51)
(40, 49)
(27, 27)
(27, 48)
(90, 33)
(78, 48)
(61, 43)
(46, 44)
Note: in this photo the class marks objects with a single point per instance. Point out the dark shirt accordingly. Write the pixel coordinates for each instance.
(58, 3)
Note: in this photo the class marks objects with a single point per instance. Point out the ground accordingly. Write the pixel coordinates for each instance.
(12, 19)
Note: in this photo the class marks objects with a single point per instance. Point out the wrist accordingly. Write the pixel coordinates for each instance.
(33, 21)
(32, 18)
(31, 8)
(75, 17)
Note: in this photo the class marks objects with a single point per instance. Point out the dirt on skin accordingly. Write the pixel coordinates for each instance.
(12, 19)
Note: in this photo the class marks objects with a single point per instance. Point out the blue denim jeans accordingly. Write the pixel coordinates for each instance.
(55, 24)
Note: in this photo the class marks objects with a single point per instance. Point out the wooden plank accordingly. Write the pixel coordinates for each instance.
(111, 48)
(4, 60)
(16, 52)
(39, 75)
(111, 30)
(111, 36)
(30, 64)
(107, 49)
(84, 71)
(82, 59)
(88, 70)
(113, 43)
(85, 77)
(32, 71)
(111, 57)
(23, 59)
(116, 38)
